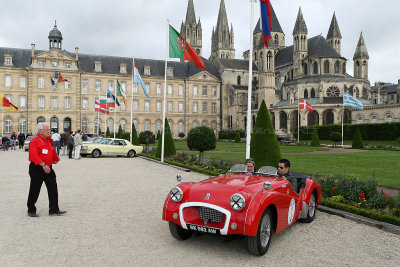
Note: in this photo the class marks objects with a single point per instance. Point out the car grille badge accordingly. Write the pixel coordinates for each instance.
(207, 196)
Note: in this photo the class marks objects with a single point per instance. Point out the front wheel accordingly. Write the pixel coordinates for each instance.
(312, 206)
(96, 153)
(178, 232)
(131, 153)
(258, 245)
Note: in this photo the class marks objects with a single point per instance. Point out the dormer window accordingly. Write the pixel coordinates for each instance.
(170, 72)
(147, 70)
(8, 60)
(97, 66)
(122, 68)
(41, 63)
(67, 65)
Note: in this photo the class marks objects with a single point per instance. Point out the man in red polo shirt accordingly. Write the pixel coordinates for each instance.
(42, 156)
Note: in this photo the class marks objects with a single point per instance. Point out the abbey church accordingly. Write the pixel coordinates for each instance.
(312, 68)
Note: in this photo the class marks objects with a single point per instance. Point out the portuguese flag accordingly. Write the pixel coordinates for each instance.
(6, 103)
(179, 48)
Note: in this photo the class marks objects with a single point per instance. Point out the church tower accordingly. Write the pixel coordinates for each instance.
(222, 42)
(300, 49)
(55, 38)
(191, 31)
(334, 37)
(360, 59)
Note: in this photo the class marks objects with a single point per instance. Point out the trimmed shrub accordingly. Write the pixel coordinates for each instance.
(181, 135)
(169, 146)
(108, 134)
(335, 137)
(237, 137)
(201, 139)
(357, 140)
(315, 139)
(119, 133)
(147, 138)
(158, 135)
(264, 146)
(135, 139)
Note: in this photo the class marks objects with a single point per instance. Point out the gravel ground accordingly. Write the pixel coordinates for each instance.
(114, 219)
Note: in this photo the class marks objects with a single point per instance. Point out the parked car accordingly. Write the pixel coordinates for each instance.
(236, 203)
(110, 147)
(27, 141)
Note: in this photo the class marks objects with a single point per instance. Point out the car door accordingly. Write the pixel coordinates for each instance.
(289, 205)
(116, 147)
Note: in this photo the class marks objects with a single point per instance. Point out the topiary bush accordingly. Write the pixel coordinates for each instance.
(335, 137)
(108, 134)
(264, 146)
(237, 137)
(169, 146)
(181, 135)
(315, 140)
(147, 138)
(119, 133)
(135, 139)
(201, 139)
(357, 140)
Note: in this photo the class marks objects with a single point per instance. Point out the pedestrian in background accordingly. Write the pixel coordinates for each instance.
(56, 137)
(42, 156)
(64, 142)
(77, 144)
(70, 144)
(13, 140)
(21, 140)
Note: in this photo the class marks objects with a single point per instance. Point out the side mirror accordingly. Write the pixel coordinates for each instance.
(267, 185)
(178, 178)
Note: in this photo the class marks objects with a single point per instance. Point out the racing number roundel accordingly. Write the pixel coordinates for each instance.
(292, 208)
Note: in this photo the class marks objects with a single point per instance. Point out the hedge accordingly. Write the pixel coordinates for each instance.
(388, 131)
(230, 134)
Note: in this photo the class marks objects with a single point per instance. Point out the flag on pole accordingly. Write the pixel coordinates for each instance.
(303, 104)
(7, 105)
(106, 102)
(350, 101)
(266, 15)
(137, 79)
(121, 92)
(111, 96)
(179, 48)
(98, 107)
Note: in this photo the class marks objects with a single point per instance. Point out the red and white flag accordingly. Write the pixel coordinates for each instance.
(98, 107)
(303, 104)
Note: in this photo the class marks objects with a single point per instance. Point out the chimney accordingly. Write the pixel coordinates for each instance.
(76, 53)
(398, 83)
(33, 50)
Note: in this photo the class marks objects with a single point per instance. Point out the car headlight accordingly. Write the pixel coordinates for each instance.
(84, 147)
(237, 201)
(176, 194)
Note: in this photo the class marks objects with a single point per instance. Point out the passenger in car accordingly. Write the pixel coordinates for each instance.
(251, 166)
(284, 172)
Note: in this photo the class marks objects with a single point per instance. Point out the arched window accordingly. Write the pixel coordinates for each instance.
(312, 93)
(389, 118)
(67, 125)
(360, 119)
(194, 124)
(344, 68)
(305, 93)
(54, 124)
(276, 39)
(364, 70)
(171, 124)
(305, 69)
(337, 66)
(147, 125)
(315, 67)
(204, 123)
(214, 126)
(326, 66)
(269, 60)
(110, 125)
(40, 119)
(357, 71)
(374, 119)
(85, 126)
(282, 120)
(97, 124)
(123, 125)
(356, 92)
(158, 126)
(22, 125)
(136, 123)
(8, 128)
(261, 65)
(180, 127)
(238, 80)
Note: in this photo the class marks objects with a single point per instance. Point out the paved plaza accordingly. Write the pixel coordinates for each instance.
(114, 219)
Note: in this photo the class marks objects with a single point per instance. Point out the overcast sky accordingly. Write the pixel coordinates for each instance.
(138, 27)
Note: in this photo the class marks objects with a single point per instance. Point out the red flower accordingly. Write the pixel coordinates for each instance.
(180, 159)
(174, 157)
(384, 193)
(388, 196)
(362, 195)
(333, 188)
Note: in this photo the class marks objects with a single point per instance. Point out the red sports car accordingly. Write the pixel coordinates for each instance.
(252, 205)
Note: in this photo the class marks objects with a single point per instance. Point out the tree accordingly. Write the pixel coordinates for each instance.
(264, 146)
(336, 137)
(357, 140)
(181, 135)
(108, 134)
(99, 131)
(169, 146)
(147, 137)
(237, 137)
(119, 133)
(158, 135)
(315, 139)
(135, 140)
(201, 139)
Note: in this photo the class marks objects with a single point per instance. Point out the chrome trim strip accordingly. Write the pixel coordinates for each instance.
(223, 231)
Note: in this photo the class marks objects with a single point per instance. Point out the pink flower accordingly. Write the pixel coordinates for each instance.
(174, 157)
(180, 159)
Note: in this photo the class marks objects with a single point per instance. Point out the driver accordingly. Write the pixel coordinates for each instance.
(284, 172)
(250, 166)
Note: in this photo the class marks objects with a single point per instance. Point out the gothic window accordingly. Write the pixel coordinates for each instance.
(333, 91)
(305, 93)
(315, 67)
(344, 68)
(356, 93)
(312, 92)
(326, 66)
(305, 69)
(337, 67)
(276, 39)
(357, 71)
(269, 60)
(238, 80)
(40, 119)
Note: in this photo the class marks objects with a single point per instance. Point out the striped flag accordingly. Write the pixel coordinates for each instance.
(121, 92)
(303, 104)
(106, 102)
(266, 15)
(98, 107)
(137, 79)
(7, 105)
(350, 101)
(111, 97)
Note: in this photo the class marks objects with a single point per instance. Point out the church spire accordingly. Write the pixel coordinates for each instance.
(300, 26)
(222, 22)
(190, 14)
(361, 50)
(360, 59)
(222, 43)
(191, 31)
(334, 37)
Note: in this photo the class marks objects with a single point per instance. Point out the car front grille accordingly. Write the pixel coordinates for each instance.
(210, 215)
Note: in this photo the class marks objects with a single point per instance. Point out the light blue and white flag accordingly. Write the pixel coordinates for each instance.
(350, 101)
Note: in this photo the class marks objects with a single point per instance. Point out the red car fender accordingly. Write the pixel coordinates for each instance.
(311, 186)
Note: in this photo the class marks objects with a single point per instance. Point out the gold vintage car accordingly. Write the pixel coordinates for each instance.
(110, 147)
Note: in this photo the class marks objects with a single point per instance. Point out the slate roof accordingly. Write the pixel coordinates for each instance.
(111, 64)
(390, 88)
(240, 64)
(334, 31)
(275, 25)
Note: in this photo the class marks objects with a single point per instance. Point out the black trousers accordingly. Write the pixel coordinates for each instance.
(70, 148)
(38, 176)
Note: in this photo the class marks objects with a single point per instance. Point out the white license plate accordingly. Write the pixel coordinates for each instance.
(203, 229)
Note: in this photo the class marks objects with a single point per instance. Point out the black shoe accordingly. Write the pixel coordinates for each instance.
(32, 214)
(57, 212)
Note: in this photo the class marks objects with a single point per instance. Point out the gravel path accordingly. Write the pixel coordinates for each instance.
(114, 219)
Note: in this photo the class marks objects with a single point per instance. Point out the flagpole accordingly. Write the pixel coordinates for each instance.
(133, 67)
(98, 115)
(2, 120)
(342, 120)
(115, 106)
(298, 117)
(165, 93)
(105, 118)
(248, 124)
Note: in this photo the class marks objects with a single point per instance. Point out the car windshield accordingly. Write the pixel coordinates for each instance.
(105, 141)
(97, 140)
(29, 138)
(268, 170)
(238, 168)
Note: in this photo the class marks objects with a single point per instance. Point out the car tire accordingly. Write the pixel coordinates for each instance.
(178, 232)
(312, 208)
(131, 153)
(258, 245)
(84, 155)
(96, 153)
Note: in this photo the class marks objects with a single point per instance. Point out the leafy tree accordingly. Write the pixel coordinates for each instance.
(169, 146)
(147, 138)
(237, 137)
(108, 134)
(264, 146)
(135, 140)
(336, 137)
(357, 140)
(119, 133)
(181, 135)
(201, 139)
(315, 139)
